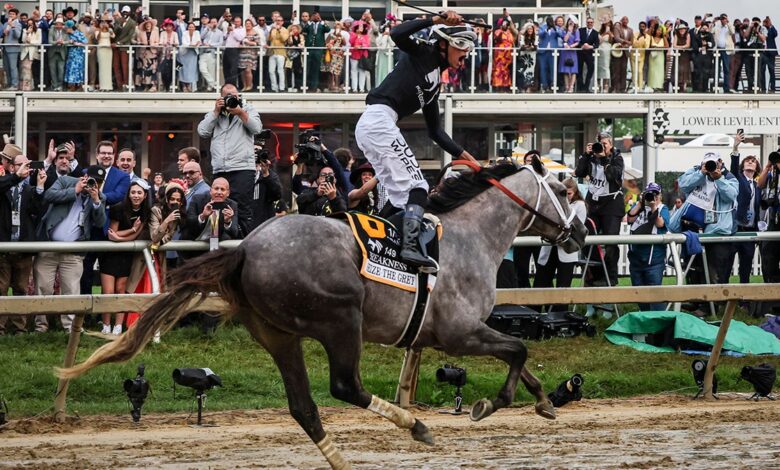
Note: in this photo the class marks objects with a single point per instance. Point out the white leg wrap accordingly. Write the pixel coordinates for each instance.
(400, 417)
(332, 454)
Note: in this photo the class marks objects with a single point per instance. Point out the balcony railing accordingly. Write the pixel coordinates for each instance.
(485, 70)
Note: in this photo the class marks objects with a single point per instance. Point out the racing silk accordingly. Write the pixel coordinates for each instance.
(415, 82)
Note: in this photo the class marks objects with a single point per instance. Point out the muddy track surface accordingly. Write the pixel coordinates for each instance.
(648, 432)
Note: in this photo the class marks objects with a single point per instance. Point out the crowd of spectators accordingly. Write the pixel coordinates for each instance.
(720, 196)
(129, 49)
(60, 201)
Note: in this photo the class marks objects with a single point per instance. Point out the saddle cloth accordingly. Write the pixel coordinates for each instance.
(380, 243)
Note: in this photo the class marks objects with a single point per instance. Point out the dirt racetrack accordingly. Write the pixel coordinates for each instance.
(649, 432)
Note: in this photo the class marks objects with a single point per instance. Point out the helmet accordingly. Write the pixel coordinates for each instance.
(459, 37)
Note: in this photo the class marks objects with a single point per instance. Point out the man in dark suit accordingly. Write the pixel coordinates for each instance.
(20, 207)
(114, 186)
(205, 222)
(589, 38)
(52, 172)
(315, 31)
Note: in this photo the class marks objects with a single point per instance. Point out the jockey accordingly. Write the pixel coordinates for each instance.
(413, 84)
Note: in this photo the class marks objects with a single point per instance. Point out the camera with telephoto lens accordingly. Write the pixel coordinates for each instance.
(597, 148)
(649, 196)
(91, 183)
(774, 158)
(710, 166)
(310, 149)
(261, 153)
(452, 375)
(232, 101)
(137, 389)
(330, 179)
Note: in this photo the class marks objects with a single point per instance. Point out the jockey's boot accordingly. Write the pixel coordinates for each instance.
(410, 251)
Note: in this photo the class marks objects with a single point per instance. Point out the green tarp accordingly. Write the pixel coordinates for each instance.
(631, 330)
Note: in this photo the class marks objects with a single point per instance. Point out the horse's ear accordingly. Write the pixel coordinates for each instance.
(538, 166)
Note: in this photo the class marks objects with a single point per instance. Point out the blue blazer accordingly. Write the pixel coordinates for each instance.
(743, 197)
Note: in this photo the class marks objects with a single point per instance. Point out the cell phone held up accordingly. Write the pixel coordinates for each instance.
(175, 206)
(36, 165)
(217, 206)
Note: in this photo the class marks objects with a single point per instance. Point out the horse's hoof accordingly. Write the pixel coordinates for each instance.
(421, 433)
(545, 409)
(481, 409)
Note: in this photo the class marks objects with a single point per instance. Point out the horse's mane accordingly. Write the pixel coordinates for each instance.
(452, 193)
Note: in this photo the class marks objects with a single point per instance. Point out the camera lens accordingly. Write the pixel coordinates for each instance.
(597, 147)
(649, 197)
(710, 166)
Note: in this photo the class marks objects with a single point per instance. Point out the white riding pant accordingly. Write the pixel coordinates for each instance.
(380, 140)
(276, 71)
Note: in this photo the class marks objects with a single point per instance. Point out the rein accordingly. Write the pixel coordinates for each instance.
(564, 228)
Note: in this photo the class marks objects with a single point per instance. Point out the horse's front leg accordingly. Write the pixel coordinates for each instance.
(485, 341)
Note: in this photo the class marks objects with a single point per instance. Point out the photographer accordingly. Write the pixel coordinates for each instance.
(710, 193)
(748, 207)
(603, 165)
(322, 198)
(770, 251)
(77, 209)
(267, 188)
(649, 216)
(231, 126)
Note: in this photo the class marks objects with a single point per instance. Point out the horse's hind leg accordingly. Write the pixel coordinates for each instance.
(288, 355)
(485, 341)
(345, 384)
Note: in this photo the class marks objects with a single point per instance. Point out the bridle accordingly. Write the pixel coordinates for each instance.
(565, 228)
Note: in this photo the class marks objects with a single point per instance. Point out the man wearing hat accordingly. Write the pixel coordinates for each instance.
(12, 34)
(124, 29)
(710, 197)
(76, 208)
(21, 203)
(649, 216)
(70, 167)
(70, 14)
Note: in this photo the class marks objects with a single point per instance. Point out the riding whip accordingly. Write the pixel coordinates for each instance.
(425, 10)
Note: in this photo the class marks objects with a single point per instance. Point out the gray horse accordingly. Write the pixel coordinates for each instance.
(298, 276)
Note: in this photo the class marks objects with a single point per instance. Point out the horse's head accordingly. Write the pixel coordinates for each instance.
(552, 218)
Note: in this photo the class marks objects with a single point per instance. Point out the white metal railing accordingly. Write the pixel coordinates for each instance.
(751, 63)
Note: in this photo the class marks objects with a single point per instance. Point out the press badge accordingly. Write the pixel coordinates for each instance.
(16, 219)
(213, 243)
(710, 217)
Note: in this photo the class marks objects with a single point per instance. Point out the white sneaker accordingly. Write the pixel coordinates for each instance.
(117, 330)
(106, 330)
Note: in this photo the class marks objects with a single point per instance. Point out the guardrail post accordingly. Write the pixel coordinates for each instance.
(70, 359)
(716, 348)
(218, 67)
(130, 68)
(715, 87)
(555, 71)
(174, 53)
(676, 70)
(44, 63)
(473, 55)
(85, 85)
(756, 64)
(304, 62)
(595, 70)
(514, 70)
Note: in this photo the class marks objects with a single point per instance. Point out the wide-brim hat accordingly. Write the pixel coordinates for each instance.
(168, 21)
(11, 151)
(354, 176)
(617, 50)
(70, 10)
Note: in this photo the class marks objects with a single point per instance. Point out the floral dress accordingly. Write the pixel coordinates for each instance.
(502, 59)
(74, 65)
(336, 48)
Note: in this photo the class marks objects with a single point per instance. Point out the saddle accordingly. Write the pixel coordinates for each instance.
(379, 241)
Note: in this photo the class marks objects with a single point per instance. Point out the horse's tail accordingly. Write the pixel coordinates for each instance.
(218, 271)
